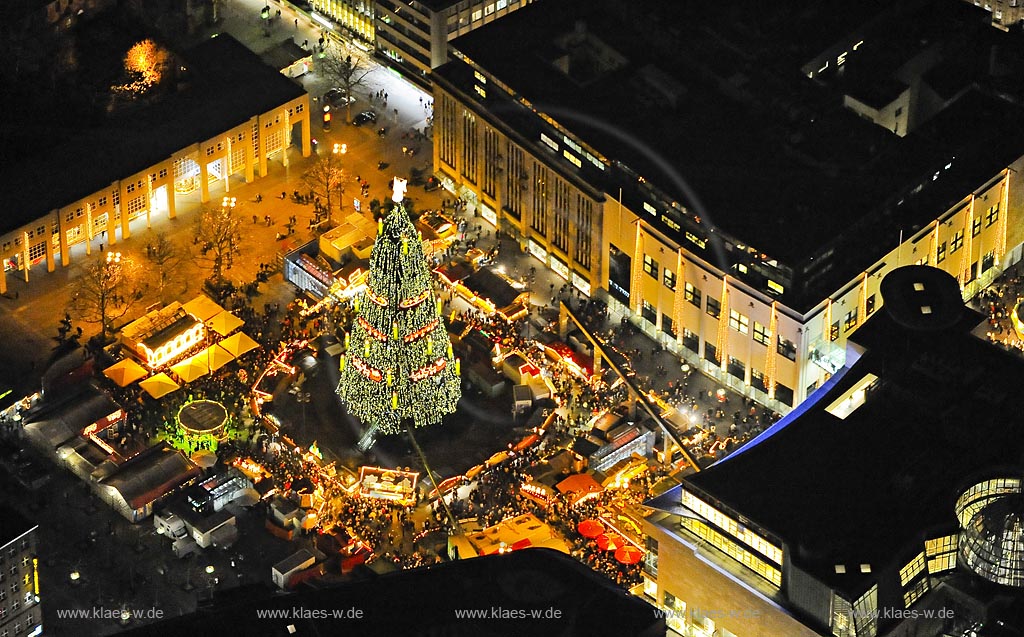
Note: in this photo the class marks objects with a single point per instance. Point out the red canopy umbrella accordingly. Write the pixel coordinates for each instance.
(628, 554)
(590, 528)
(609, 541)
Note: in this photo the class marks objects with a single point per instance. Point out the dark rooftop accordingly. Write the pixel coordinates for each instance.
(709, 103)
(225, 84)
(12, 524)
(151, 474)
(421, 602)
(865, 488)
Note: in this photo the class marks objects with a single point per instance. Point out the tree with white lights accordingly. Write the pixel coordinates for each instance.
(399, 365)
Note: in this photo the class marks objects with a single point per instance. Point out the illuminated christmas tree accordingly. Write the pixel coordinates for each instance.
(399, 365)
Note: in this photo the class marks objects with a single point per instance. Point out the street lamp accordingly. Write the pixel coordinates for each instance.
(228, 202)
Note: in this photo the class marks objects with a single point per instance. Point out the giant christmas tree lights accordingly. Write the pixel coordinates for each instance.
(399, 363)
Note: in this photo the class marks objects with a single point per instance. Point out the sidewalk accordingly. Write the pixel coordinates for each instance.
(654, 370)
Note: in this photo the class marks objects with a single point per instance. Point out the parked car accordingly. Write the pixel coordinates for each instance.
(364, 117)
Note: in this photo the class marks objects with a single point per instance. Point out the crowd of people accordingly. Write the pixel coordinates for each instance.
(997, 302)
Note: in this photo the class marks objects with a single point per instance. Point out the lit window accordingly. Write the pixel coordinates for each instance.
(992, 215)
(714, 308)
(691, 294)
(478, 14)
(761, 334)
(956, 242)
(739, 322)
(651, 266)
(670, 279)
(852, 398)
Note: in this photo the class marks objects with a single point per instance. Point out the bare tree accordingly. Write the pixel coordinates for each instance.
(106, 290)
(218, 234)
(165, 257)
(342, 71)
(327, 178)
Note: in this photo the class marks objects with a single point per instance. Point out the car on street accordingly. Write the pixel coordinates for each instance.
(338, 97)
(364, 117)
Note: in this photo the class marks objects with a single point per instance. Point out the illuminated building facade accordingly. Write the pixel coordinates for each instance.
(20, 613)
(59, 203)
(414, 34)
(873, 497)
(745, 231)
(1005, 13)
(354, 15)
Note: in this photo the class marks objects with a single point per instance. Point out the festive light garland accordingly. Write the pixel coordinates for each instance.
(373, 374)
(379, 335)
(428, 370)
(376, 298)
(420, 333)
(414, 301)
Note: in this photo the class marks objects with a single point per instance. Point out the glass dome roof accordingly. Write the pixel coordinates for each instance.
(992, 541)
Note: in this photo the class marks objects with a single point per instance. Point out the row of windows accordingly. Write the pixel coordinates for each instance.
(732, 527)
(913, 594)
(734, 550)
(914, 568)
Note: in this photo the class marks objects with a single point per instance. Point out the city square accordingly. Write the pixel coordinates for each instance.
(366, 308)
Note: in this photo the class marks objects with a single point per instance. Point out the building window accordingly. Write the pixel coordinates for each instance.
(914, 568)
(711, 353)
(667, 325)
(956, 242)
(833, 332)
(940, 253)
(992, 215)
(651, 266)
(761, 334)
(869, 304)
(787, 348)
(739, 322)
(669, 278)
(757, 380)
(649, 313)
(129, 188)
(691, 341)
(736, 368)
(714, 308)
(915, 593)
(783, 394)
(477, 15)
(489, 9)
(691, 294)
(976, 227)
(850, 320)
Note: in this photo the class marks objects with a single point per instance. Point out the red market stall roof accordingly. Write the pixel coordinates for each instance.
(579, 486)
